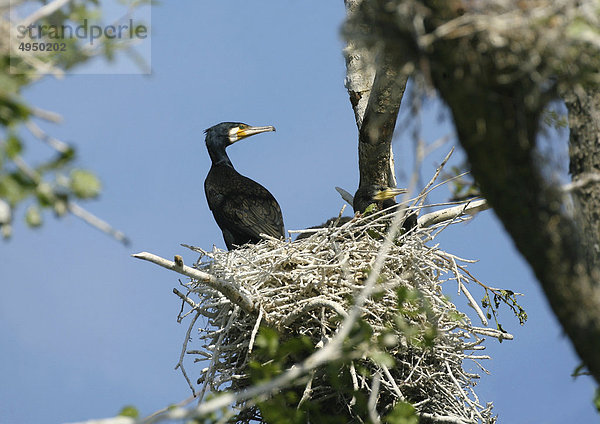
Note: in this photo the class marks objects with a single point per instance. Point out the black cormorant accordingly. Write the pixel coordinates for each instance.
(383, 197)
(242, 208)
(365, 196)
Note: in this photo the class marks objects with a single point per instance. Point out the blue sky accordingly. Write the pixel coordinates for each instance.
(87, 329)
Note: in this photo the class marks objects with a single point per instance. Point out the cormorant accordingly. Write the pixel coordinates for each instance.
(242, 208)
(383, 197)
(365, 196)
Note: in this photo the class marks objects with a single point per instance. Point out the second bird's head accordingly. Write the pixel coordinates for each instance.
(227, 133)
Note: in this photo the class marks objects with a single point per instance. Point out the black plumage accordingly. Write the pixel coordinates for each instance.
(243, 208)
(336, 221)
(365, 196)
(383, 198)
(380, 195)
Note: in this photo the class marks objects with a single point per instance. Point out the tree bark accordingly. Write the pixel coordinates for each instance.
(497, 70)
(584, 153)
(376, 87)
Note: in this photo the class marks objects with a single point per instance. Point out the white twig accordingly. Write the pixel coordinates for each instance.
(469, 208)
(582, 181)
(235, 294)
(97, 222)
(43, 11)
(373, 397)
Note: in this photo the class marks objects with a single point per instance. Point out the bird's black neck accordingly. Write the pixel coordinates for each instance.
(218, 156)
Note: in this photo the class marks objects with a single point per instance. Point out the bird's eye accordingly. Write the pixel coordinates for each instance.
(243, 126)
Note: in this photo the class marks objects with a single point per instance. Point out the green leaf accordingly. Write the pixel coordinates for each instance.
(382, 358)
(33, 217)
(129, 411)
(13, 146)
(403, 413)
(268, 340)
(84, 184)
(12, 189)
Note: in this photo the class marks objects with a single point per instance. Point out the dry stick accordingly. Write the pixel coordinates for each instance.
(313, 304)
(186, 299)
(237, 295)
(180, 404)
(582, 181)
(391, 380)
(56, 144)
(307, 390)
(44, 11)
(448, 214)
(183, 349)
(254, 332)
(46, 115)
(73, 207)
(470, 298)
(435, 175)
(373, 397)
(97, 222)
(331, 351)
(215, 357)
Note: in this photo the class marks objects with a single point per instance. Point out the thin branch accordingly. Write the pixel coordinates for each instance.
(235, 294)
(470, 208)
(582, 181)
(44, 11)
(97, 222)
(56, 144)
(313, 304)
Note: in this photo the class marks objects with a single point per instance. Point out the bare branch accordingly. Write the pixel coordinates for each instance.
(228, 289)
(97, 222)
(470, 208)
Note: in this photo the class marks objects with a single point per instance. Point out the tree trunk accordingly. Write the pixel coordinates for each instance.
(376, 87)
(497, 67)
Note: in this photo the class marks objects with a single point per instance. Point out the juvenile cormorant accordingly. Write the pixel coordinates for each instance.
(242, 208)
(365, 196)
(383, 197)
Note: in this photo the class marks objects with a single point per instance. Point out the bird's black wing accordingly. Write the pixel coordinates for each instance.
(255, 211)
(242, 207)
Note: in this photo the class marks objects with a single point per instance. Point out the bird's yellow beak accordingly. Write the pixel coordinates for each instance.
(248, 131)
(389, 193)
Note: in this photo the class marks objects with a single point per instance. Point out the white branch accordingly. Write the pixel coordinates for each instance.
(44, 11)
(228, 289)
(582, 181)
(96, 222)
(470, 208)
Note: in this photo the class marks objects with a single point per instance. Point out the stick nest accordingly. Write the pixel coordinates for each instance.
(307, 286)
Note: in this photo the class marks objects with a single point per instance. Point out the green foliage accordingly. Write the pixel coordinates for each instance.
(33, 217)
(52, 183)
(462, 186)
(272, 355)
(361, 351)
(412, 305)
(506, 297)
(403, 413)
(579, 371)
(597, 400)
(129, 411)
(84, 184)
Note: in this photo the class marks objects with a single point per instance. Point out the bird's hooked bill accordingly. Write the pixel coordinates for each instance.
(248, 131)
(389, 193)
